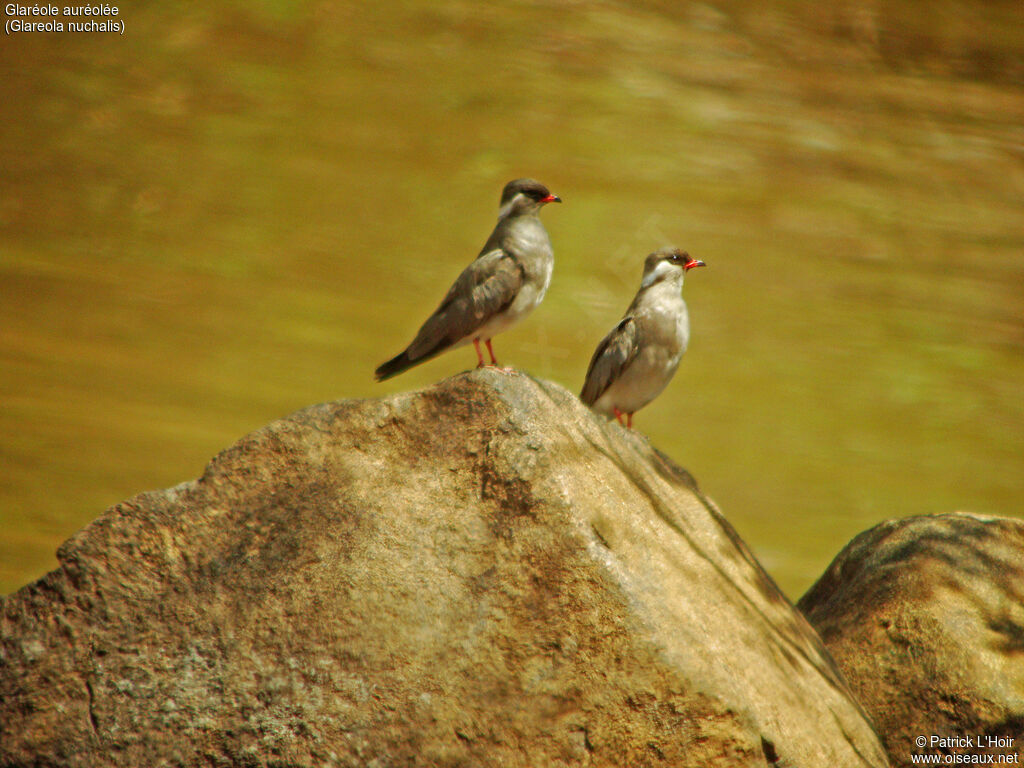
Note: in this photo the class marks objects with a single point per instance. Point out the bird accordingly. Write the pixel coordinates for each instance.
(497, 289)
(637, 359)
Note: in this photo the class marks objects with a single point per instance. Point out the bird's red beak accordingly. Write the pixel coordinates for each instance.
(551, 199)
(694, 263)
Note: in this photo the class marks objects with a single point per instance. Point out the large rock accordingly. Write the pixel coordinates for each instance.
(481, 573)
(926, 618)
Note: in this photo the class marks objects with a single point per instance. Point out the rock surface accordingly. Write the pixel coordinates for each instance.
(925, 617)
(480, 573)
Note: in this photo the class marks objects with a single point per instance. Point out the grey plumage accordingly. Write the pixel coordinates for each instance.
(501, 286)
(611, 357)
(637, 359)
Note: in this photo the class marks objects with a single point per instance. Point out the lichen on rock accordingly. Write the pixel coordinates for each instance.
(479, 573)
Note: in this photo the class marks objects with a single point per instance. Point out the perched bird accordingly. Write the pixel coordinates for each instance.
(636, 361)
(498, 289)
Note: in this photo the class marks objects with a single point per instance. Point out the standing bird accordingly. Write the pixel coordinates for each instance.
(498, 289)
(636, 361)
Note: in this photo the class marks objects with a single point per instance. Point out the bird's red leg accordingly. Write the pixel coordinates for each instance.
(479, 354)
(629, 420)
(494, 360)
(618, 415)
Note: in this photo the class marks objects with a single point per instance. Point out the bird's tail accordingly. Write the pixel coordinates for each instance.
(394, 366)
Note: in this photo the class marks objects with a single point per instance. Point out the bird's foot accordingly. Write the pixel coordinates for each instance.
(628, 423)
(494, 361)
(490, 351)
(479, 355)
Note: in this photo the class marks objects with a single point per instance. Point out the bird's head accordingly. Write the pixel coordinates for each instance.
(668, 263)
(525, 196)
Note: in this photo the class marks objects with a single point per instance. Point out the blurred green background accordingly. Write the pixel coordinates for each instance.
(235, 210)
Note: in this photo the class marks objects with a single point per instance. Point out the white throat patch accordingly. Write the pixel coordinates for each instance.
(663, 270)
(506, 209)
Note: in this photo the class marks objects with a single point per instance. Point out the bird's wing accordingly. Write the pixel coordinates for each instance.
(613, 354)
(487, 286)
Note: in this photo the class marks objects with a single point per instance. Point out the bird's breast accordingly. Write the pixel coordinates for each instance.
(664, 326)
(529, 241)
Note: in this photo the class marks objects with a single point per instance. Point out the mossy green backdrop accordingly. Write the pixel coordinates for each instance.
(235, 210)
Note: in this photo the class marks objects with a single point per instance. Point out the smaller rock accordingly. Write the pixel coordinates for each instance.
(925, 617)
